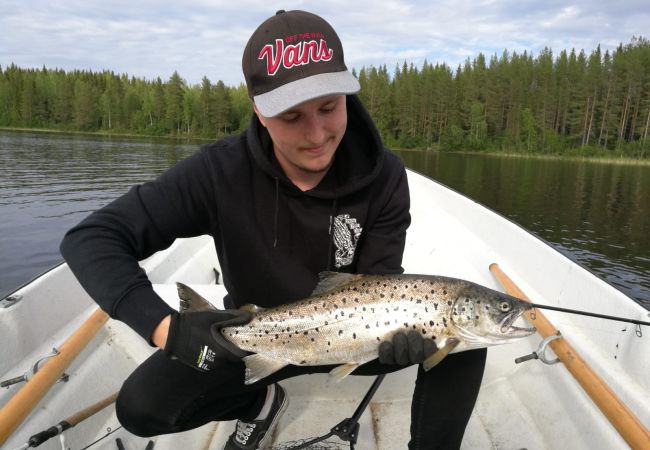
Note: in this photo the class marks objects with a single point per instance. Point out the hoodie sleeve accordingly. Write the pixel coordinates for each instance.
(383, 242)
(104, 249)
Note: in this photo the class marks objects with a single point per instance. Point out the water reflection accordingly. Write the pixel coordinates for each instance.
(50, 182)
(596, 214)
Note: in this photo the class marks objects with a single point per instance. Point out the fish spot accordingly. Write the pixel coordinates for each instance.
(329, 343)
(378, 339)
(424, 331)
(367, 327)
(312, 339)
(354, 335)
(449, 302)
(406, 325)
(340, 332)
(444, 292)
(431, 323)
(418, 301)
(306, 333)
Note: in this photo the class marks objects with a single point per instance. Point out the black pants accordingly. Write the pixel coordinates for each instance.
(164, 396)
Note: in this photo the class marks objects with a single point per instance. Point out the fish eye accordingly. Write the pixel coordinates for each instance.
(504, 306)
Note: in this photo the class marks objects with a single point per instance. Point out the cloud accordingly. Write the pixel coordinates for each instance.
(205, 38)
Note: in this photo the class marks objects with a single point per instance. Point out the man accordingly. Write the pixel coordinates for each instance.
(307, 188)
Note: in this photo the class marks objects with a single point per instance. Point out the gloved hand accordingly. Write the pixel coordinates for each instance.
(406, 349)
(190, 339)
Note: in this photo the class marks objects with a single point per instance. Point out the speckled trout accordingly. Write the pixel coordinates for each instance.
(348, 316)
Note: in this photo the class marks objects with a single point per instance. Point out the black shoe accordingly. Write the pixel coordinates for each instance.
(257, 434)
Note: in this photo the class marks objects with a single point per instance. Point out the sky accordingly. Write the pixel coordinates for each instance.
(197, 38)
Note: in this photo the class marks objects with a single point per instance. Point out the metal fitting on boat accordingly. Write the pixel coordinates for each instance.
(540, 353)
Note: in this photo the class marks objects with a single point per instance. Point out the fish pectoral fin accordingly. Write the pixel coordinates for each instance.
(435, 358)
(260, 366)
(254, 309)
(342, 371)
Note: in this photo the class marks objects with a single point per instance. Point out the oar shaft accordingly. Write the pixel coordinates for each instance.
(619, 415)
(20, 405)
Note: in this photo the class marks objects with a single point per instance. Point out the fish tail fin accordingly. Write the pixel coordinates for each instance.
(192, 301)
(260, 366)
(342, 371)
(435, 358)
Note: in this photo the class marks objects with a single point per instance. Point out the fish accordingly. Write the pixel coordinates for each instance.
(347, 317)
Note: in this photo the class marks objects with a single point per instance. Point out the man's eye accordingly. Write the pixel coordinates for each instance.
(290, 117)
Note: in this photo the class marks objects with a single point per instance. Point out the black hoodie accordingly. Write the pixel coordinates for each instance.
(271, 238)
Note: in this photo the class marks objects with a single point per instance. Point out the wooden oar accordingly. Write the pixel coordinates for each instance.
(619, 415)
(20, 405)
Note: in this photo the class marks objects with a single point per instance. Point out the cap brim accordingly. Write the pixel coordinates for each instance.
(287, 96)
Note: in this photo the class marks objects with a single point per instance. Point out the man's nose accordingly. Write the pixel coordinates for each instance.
(314, 129)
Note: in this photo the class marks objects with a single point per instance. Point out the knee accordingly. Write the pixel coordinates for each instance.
(140, 415)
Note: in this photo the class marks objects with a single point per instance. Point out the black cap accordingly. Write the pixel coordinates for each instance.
(294, 57)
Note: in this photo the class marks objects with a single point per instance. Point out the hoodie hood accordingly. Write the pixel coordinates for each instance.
(357, 161)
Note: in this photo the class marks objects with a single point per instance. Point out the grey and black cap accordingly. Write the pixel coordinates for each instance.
(294, 57)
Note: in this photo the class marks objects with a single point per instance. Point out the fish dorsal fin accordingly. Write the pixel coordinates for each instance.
(191, 301)
(254, 309)
(331, 280)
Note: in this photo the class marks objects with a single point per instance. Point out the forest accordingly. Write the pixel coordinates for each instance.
(569, 103)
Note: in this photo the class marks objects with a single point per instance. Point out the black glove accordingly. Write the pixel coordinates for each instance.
(406, 349)
(190, 338)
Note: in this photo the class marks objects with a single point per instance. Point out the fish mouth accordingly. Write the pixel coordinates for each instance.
(507, 325)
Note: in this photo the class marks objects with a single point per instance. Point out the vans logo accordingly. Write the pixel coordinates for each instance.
(291, 55)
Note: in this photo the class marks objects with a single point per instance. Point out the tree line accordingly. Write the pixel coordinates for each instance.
(573, 102)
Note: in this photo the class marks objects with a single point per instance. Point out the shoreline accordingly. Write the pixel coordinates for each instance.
(506, 154)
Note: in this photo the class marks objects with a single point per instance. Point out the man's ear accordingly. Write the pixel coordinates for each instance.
(261, 118)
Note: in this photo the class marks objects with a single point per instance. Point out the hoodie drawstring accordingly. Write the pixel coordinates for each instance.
(331, 245)
(275, 213)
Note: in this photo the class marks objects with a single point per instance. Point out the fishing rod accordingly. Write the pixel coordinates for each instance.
(590, 314)
(70, 422)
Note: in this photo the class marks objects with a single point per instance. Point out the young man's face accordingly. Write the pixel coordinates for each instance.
(306, 137)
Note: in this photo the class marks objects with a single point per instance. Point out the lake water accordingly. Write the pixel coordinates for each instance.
(597, 214)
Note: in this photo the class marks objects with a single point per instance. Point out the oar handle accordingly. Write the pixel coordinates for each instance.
(619, 415)
(20, 405)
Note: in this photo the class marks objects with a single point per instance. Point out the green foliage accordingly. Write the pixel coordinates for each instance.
(595, 104)
(106, 102)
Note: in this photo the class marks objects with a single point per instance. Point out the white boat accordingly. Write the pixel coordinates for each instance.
(530, 405)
